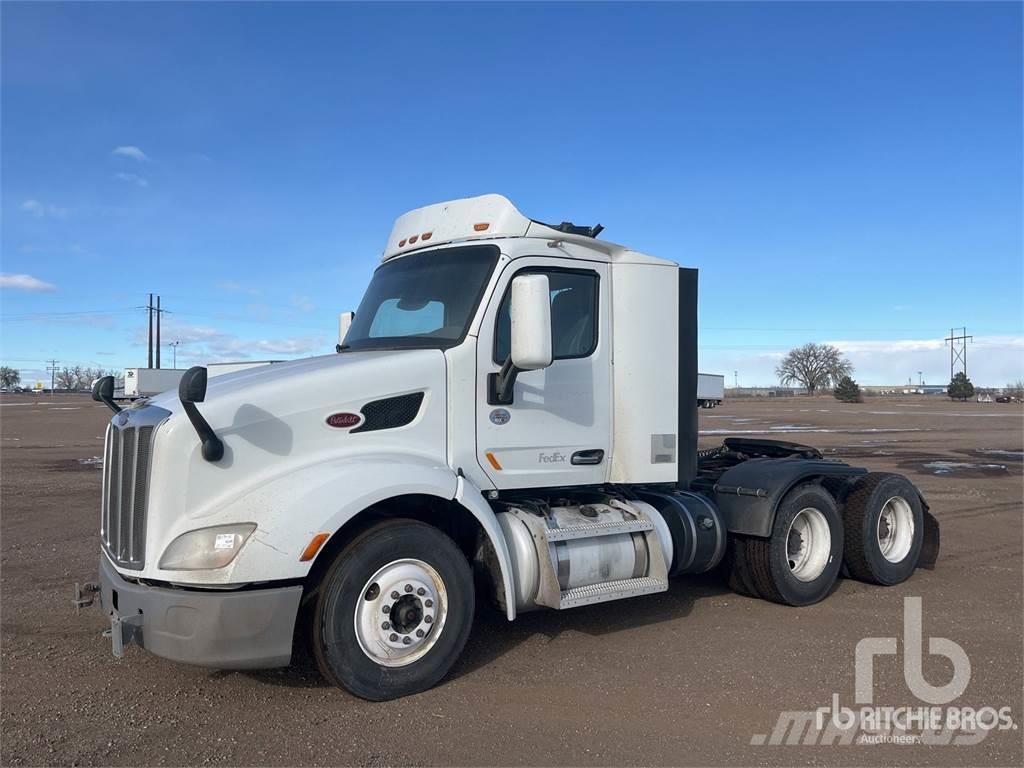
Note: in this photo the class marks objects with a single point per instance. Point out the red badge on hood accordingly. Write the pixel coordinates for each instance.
(343, 420)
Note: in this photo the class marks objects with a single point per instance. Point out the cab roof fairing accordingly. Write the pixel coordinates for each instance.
(488, 218)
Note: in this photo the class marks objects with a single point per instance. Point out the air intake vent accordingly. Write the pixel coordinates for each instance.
(389, 413)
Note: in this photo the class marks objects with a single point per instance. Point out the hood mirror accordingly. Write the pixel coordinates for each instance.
(103, 392)
(192, 390)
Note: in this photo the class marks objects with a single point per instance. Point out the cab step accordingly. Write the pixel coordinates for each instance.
(611, 590)
(590, 530)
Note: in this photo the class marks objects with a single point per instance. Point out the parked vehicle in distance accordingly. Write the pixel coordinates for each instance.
(1006, 399)
(710, 389)
(146, 382)
(470, 433)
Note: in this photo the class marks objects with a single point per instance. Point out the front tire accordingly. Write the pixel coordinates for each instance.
(393, 612)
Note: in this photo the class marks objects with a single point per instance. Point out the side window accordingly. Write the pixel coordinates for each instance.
(574, 312)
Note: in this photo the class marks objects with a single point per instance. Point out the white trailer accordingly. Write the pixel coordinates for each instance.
(710, 389)
(146, 382)
(471, 423)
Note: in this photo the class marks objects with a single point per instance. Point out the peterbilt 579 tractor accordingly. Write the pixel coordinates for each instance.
(510, 414)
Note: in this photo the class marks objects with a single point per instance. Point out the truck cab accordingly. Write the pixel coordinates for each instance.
(511, 412)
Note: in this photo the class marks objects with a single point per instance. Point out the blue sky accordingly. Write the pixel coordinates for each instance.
(846, 172)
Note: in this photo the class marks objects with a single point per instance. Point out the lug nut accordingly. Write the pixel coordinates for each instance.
(419, 633)
(428, 619)
(421, 591)
(428, 603)
(408, 587)
(386, 609)
(406, 640)
(386, 625)
(393, 638)
(395, 595)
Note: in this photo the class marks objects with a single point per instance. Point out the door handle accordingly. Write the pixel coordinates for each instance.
(592, 456)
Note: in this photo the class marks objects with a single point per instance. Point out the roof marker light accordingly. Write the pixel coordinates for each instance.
(426, 235)
(401, 243)
(482, 227)
(413, 239)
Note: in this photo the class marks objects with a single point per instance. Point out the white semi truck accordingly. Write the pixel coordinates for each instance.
(510, 414)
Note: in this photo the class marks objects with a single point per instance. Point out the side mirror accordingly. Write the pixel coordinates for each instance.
(192, 385)
(531, 322)
(531, 336)
(103, 392)
(192, 390)
(344, 323)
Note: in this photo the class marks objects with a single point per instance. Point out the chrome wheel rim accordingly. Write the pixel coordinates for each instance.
(401, 612)
(808, 544)
(895, 529)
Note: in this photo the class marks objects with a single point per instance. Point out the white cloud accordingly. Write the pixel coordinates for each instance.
(132, 178)
(201, 344)
(303, 303)
(992, 361)
(25, 283)
(131, 152)
(40, 210)
(232, 287)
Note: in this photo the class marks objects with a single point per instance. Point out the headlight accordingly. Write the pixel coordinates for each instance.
(206, 547)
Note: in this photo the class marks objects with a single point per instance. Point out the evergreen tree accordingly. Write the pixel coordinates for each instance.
(848, 391)
(960, 388)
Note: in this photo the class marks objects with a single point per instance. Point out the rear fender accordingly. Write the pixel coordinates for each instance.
(748, 494)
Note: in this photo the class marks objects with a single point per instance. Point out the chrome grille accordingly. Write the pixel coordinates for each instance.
(126, 467)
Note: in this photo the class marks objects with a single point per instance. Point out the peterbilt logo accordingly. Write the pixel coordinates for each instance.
(122, 418)
(344, 420)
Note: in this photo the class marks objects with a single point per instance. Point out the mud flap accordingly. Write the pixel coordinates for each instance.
(930, 547)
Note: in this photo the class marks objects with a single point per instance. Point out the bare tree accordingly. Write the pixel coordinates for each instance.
(9, 377)
(65, 379)
(813, 366)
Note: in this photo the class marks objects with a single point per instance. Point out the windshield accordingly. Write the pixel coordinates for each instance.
(422, 300)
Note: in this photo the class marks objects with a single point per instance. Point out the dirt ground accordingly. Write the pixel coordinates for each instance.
(689, 677)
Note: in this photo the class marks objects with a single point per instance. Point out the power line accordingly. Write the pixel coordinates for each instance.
(958, 350)
(52, 368)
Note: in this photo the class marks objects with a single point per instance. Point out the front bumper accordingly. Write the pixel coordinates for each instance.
(224, 629)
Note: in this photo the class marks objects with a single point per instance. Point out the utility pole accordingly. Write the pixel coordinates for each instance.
(920, 378)
(52, 368)
(149, 309)
(958, 349)
(735, 379)
(157, 331)
(174, 347)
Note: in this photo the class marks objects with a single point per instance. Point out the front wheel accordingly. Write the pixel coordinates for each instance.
(394, 611)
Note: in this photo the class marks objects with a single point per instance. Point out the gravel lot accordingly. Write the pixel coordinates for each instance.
(683, 678)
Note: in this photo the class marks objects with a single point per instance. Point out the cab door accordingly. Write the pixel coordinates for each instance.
(557, 429)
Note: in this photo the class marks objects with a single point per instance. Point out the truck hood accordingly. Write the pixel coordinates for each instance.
(315, 381)
(273, 420)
